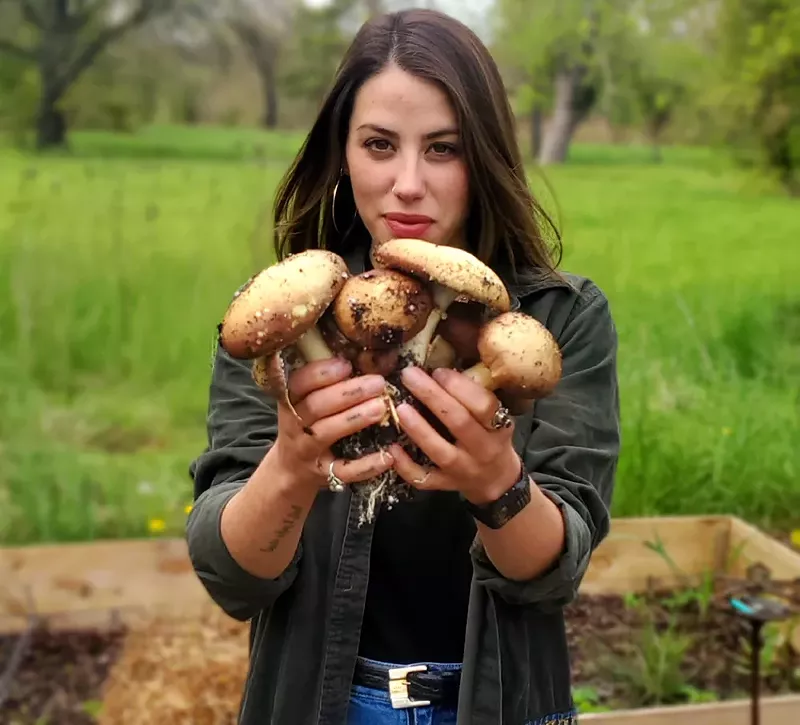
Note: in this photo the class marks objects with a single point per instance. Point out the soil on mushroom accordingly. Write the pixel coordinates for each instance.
(61, 676)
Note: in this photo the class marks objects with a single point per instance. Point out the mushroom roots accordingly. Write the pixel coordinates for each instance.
(518, 355)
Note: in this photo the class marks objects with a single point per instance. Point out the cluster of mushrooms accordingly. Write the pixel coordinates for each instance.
(422, 304)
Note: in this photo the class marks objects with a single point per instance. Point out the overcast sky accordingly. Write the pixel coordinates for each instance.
(471, 12)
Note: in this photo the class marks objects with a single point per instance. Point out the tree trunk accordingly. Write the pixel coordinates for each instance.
(567, 115)
(536, 130)
(51, 125)
(270, 95)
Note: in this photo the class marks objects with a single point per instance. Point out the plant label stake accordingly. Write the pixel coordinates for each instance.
(758, 611)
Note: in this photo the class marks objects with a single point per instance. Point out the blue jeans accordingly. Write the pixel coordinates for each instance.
(373, 707)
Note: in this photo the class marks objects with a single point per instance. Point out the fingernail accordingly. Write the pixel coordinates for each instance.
(440, 375)
(376, 408)
(374, 386)
(411, 375)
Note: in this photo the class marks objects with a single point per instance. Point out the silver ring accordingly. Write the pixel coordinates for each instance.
(502, 419)
(335, 483)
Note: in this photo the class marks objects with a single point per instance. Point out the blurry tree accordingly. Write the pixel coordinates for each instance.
(634, 60)
(653, 66)
(261, 27)
(319, 39)
(757, 46)
(62, 39)
(558, 46)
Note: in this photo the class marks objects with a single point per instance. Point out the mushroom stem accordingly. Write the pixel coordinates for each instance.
(312, 346)
(417, 348)
(441, 354)
(481, 375)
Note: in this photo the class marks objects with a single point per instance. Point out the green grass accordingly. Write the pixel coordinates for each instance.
(117, 261)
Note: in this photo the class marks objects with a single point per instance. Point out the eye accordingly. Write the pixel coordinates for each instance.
(440, 148)
(381, 145)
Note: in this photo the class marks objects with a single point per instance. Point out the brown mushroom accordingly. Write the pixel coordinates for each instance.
(451, 272)
(460, 327)
(381, 308)
(281, 306)
(518, 355)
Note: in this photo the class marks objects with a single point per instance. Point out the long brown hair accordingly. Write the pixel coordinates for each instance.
(505, 228)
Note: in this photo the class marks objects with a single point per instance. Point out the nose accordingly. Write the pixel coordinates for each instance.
(409, 184)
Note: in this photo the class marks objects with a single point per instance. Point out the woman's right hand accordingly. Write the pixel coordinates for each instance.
(331, 405)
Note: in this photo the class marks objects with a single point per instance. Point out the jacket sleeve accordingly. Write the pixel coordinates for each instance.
(242, 425)
(572, 453)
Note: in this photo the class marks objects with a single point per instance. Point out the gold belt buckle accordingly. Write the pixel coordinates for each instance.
(398, 687)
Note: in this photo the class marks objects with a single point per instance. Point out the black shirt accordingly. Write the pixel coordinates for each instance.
(419, 580)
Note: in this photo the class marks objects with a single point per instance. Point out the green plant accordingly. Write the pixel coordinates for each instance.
(587, 699)
(700, 594)
(652, 671)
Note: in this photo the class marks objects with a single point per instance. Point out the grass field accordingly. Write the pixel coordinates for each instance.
(117, 261)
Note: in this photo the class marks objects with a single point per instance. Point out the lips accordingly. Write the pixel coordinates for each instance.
(408, 225)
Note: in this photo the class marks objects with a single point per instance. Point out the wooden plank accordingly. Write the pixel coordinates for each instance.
(623, 563)
(88, 582)
(83, 582)
(750, 545)
(783, 710)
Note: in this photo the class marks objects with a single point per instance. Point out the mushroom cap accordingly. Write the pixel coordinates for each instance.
(450, 267)
(382, 308)
(521, 353)
(280, 303)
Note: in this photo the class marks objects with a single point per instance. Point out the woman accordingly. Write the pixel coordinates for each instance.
(467, 581)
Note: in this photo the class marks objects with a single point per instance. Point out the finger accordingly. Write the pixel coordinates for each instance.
(335, 427)
(415, 475)
(359, 469)
(441, 452)
(340, 396)
(316, 375)
(481, 403)
(516, 404)
(455, 416)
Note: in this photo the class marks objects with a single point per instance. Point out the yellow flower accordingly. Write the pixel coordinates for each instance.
(156, 526)
(187, 509)
(796, 538)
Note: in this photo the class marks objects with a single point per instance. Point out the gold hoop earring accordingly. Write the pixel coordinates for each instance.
(333, 208)
(333, 205)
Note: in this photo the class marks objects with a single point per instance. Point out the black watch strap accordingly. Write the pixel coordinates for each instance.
(497, 514)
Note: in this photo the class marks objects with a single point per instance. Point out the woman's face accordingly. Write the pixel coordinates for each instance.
(405, 160)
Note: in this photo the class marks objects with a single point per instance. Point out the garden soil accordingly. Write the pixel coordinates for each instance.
(192, 673)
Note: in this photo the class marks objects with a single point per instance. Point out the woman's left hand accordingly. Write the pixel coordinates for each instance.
(481, 463)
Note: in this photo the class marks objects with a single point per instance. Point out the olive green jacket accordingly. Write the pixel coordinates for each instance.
(305, 624)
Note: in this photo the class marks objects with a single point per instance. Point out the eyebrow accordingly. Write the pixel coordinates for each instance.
(388, 132)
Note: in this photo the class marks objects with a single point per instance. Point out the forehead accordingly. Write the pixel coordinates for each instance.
(395, 98)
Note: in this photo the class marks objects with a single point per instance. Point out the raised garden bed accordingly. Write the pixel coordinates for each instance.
(124, 634)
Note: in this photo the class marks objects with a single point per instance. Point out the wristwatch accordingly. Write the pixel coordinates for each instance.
(498, 513)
